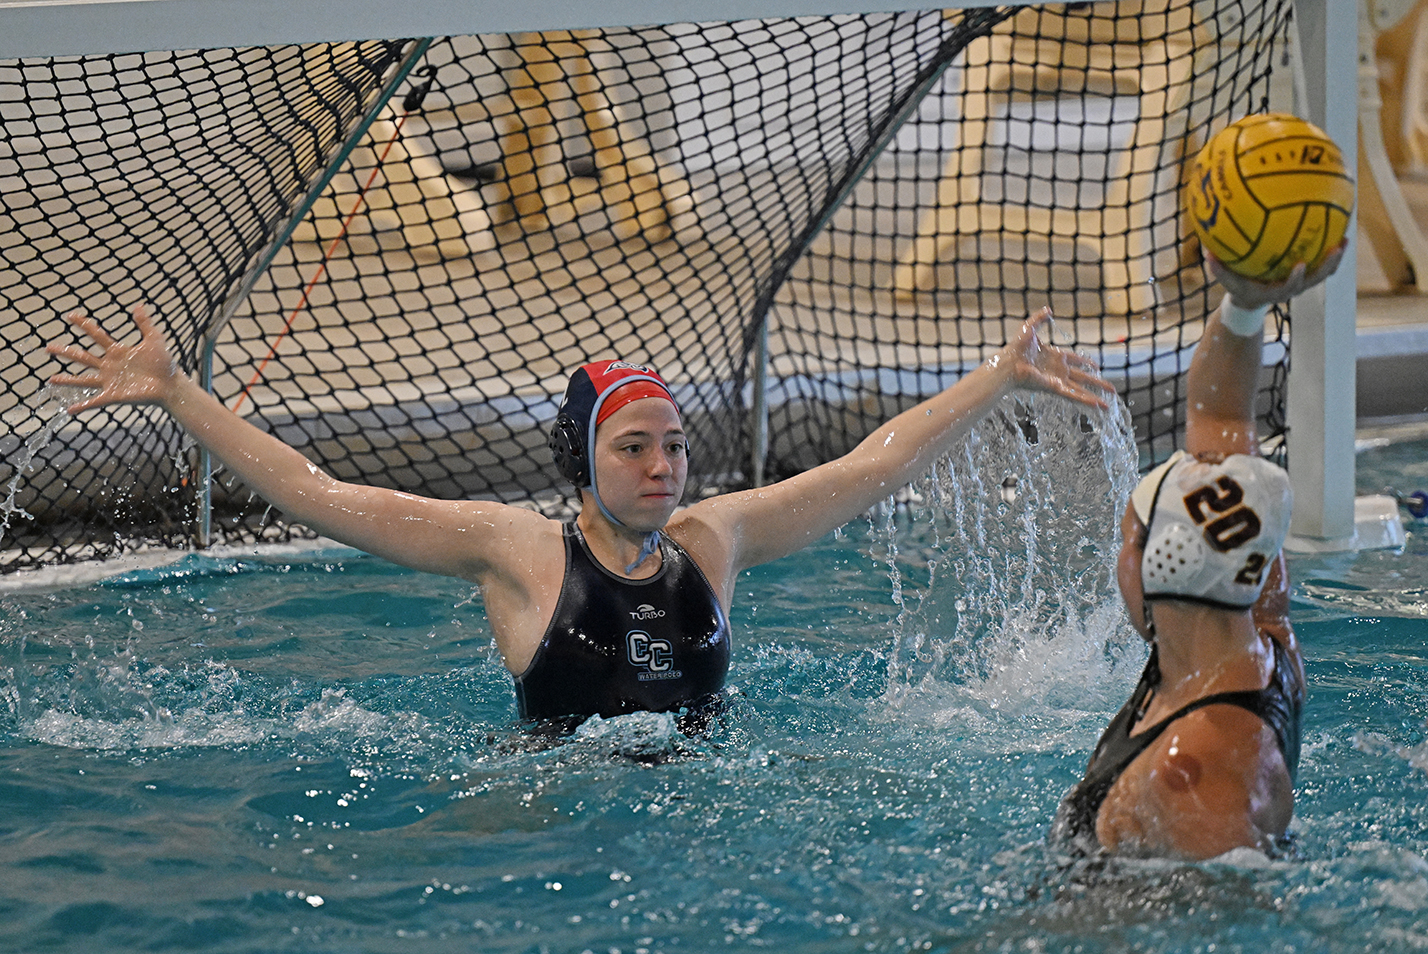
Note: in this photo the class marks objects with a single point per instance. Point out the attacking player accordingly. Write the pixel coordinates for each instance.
(626, 607)
(1202, 757)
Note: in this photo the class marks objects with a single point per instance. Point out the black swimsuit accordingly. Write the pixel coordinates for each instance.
(617, 646)
(1278, 704)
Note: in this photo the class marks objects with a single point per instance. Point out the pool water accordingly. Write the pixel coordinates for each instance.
(313, 750)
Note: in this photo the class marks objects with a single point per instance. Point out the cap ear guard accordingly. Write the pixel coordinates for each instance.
(1173, 554)
(567, 446)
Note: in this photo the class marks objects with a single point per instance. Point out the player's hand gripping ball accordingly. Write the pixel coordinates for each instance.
(1268, 192)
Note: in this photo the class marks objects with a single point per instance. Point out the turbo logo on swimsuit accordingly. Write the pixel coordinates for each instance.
(654, 656)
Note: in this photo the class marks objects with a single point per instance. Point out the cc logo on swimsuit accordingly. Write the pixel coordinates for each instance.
(643, 650)
(1236, 524)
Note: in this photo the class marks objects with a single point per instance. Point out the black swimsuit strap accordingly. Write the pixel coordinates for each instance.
(1265, 703)
(1277, 704)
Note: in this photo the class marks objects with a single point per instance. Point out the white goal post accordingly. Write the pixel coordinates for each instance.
(1323, 366)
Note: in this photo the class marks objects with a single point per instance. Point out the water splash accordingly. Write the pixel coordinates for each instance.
(639, 736)
(107, 700)
(1004, 567)
(55, 401)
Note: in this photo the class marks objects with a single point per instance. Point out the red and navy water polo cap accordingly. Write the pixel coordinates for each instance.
(596, 391)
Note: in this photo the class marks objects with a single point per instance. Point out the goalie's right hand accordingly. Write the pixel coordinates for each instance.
(142, 373)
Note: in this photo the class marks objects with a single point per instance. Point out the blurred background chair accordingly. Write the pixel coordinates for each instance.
(1137, 50)
(1393, 132)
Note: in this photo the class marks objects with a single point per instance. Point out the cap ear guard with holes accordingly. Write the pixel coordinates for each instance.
(1214, 529)
(567, 447)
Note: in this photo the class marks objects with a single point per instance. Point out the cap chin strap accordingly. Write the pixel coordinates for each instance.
(651, 543)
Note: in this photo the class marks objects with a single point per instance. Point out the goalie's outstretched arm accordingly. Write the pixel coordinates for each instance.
(770, 522)
(419, 532)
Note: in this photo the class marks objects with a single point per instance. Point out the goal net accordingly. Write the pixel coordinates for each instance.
(391, 254)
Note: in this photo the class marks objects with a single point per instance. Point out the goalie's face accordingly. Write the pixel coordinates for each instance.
(641, 463)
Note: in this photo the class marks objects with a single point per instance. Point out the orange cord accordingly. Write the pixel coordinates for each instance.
(322, 268)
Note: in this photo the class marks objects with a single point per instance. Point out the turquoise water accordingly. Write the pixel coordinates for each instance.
(316, 751)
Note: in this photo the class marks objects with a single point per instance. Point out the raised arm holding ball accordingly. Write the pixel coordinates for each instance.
(1202, 758)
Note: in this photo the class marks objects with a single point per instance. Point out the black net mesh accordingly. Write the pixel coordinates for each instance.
(155, 177)
(812, 222)
(1046, 169)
